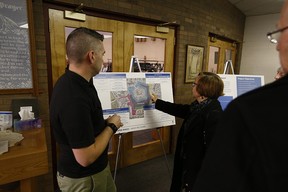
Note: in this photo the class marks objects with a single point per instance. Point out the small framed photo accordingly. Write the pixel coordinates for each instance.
(194, 62)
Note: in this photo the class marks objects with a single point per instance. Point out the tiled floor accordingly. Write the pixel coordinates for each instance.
(150, 176)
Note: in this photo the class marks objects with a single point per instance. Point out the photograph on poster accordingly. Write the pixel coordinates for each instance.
(194, 62)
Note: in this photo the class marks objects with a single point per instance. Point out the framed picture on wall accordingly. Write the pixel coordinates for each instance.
(194, 62)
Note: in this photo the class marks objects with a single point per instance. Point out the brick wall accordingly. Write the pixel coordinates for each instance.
(196, 18)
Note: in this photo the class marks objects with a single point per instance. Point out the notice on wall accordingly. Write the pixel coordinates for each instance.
(128, 95)
(15, 64)
(236, 85)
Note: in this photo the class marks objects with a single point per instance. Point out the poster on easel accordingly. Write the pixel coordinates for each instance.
(128, 95)
(236, 85)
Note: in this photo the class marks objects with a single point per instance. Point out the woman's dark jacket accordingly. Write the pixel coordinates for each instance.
(194, 136)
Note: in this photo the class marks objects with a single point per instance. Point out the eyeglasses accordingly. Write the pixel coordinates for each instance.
(194, 84)
(274, 36)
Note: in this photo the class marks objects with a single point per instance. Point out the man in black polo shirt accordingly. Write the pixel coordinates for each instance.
(77, 120)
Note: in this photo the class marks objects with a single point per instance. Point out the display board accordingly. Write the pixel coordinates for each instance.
(235, 85)
(128, 95)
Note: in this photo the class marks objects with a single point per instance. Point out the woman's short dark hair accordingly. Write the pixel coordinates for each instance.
(209, 85)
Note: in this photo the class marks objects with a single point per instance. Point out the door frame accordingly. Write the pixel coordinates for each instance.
(222, 43)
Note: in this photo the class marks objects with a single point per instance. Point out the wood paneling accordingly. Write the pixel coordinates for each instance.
(25, 161)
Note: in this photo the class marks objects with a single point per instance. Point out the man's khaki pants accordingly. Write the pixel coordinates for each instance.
(100, 182)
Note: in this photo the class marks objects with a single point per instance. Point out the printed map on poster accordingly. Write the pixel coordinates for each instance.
(128, 95)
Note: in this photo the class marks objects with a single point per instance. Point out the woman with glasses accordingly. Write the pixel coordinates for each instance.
(200, 120)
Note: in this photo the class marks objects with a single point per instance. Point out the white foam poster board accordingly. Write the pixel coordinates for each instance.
(236, 85)
(128, 95)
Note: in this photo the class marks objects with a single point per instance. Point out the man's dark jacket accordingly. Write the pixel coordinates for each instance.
(249, 152)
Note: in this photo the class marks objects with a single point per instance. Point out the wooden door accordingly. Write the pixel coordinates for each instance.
(134, 151)
(220, 51)
(122, 48)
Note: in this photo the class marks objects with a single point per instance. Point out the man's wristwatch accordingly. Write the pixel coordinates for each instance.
(113, 127)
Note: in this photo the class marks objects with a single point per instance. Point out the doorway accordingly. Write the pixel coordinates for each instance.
(122, 42)
(220, 50)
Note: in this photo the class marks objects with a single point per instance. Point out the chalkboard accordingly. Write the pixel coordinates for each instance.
(15, 60)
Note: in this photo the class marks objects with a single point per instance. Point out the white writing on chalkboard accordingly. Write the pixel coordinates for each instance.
(15, 61)
(15, 68)
(12, 7)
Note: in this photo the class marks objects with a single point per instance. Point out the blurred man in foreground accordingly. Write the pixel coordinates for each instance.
(249, 152)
